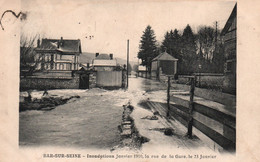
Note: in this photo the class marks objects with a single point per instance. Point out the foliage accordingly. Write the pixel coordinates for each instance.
(206, 39)
(171, 43)
(148, 49)
(196, 53)
(188, 51)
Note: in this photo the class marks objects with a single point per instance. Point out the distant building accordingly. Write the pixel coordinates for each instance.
(104, 62)
(229, 34)
(163, 64)
(59, 54)
(86, 60)
(141, 71)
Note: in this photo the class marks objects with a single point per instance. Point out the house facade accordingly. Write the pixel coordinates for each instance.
(229, 34)
(59, 54)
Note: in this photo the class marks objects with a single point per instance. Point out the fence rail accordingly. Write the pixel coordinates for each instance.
(184, 111)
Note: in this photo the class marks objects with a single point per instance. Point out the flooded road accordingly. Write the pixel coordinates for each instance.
(88, 122)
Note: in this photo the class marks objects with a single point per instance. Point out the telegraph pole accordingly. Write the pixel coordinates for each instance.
(127, 64)
(216, 33)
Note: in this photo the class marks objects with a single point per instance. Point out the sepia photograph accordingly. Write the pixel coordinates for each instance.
(126, 80)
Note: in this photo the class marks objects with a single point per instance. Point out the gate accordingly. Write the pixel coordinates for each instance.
(109, 79)
(84, 81)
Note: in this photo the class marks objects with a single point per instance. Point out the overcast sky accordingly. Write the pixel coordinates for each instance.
(113, 22)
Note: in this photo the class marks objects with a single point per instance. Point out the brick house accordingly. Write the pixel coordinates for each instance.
(59, 54)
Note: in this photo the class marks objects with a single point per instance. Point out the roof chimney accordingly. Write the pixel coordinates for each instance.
(38, 43)
(61, 41)
(111, 56)
(97, 54)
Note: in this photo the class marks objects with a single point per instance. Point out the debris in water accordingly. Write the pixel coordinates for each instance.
(150, 117)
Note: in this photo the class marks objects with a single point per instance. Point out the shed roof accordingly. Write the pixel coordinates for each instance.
(164, 56)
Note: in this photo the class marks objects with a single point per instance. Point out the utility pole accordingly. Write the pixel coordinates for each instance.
(216, 33)
(127, 65)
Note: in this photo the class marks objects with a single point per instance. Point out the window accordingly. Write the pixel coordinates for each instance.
(62, 67)
(230, 66)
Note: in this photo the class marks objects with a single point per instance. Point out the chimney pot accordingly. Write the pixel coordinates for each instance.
(61, 42)
(38, 43)
(111, 56)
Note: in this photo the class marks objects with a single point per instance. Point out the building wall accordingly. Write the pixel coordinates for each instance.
(230, 39)
(104, 68)
(162, 68)
(55, 61)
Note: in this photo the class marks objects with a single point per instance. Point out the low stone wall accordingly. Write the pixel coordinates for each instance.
(41, 83)
(205, 81)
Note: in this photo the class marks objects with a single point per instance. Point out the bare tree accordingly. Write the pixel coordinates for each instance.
(206, 40)
(29, 59)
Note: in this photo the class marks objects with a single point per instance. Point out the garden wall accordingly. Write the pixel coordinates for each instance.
(41, 83)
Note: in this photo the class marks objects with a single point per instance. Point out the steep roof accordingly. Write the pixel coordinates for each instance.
(86, 57)
(230, 20)
(164, 56)
(64, 45)
(103, 57)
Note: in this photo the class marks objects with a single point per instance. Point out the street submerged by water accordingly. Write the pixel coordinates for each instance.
(93, 119)
(90, 121)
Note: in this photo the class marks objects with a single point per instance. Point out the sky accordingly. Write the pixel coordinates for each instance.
(112, 23)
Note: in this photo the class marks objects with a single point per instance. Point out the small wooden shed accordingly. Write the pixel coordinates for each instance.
(163, 64)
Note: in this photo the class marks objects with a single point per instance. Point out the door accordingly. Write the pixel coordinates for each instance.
(84, 81)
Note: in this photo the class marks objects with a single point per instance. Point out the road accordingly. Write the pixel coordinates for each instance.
(88, 122)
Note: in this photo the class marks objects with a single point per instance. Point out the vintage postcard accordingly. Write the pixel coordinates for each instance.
(129, 80)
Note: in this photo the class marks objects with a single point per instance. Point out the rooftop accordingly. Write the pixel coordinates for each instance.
(62, 45)
(164, 56)
(104, 63)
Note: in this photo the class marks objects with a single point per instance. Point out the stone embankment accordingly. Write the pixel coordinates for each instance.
(130, 137)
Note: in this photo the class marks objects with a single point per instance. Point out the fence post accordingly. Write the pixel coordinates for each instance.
(168, 96)
(191, 106)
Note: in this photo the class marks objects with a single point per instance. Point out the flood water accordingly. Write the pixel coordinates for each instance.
(90, 121)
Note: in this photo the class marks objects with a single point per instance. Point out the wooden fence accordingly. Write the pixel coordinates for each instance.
(109, 79)
(185, 111)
